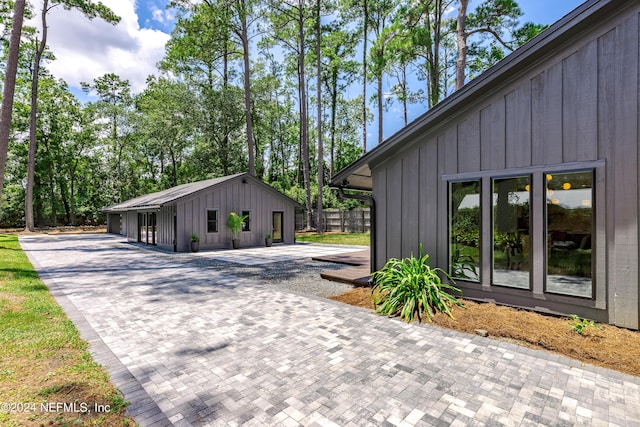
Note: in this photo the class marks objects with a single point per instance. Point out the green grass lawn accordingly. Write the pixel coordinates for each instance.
(42, 357)
(361, 239)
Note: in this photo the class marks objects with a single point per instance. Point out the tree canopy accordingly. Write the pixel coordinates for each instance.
(280, 89)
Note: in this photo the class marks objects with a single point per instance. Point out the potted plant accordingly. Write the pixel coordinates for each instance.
(268, 240)
(234, 222)
(195, 242)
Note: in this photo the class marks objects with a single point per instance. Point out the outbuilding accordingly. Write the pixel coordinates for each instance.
(523, 185)
(168, 218)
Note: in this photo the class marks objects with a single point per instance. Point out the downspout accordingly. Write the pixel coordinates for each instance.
(372, 219)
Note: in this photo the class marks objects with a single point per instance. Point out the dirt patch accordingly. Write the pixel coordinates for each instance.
(11, 302)
(58, 230)
(52, 394)
(612, 347)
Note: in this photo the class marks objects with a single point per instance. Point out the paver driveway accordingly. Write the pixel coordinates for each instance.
(191, 346)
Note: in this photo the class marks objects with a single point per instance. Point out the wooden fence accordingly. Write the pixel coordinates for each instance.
(346, 221)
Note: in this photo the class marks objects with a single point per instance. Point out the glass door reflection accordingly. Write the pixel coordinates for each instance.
(511, 213)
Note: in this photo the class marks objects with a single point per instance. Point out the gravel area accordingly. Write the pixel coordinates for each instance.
(302, 276)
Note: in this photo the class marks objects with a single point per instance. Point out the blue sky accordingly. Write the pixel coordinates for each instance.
(544, 11)
(153, 14)
(547, 11)
(87, 49)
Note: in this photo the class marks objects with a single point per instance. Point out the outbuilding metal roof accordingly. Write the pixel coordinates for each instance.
(169, 196)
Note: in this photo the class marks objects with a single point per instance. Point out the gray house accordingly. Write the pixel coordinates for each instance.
(167, 218)
(524, 184)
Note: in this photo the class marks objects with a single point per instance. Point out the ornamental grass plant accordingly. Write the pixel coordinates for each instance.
(410, 288)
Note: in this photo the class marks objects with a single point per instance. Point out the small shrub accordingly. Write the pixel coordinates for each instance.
(234, 222)
(580, 325)
(410, 287)
(194, 237)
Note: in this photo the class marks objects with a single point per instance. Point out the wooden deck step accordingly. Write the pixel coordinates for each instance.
(358, 276)
(352, 258)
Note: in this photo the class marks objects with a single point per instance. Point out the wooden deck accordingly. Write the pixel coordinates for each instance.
(357, 273)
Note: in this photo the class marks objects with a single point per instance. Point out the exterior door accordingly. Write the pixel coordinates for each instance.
(175, 233)
(277, 227)
(141, 228)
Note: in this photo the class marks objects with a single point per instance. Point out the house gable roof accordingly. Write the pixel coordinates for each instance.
(357, 175)
(173, 194)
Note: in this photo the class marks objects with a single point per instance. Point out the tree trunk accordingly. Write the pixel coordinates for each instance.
(319, 95)
(437, 30)
(38, 203)
(365, 31)
(285, 178)
(247, 88)
(404, 94)
(304, 122)
(174, 168)
(225, 85)
(434, 88)
(62, 186)
(334, 103)
(33, 117)
(72, 195)
(461, 39)
(380, 112)
(9, 87)
(52, 190)
(118, 183)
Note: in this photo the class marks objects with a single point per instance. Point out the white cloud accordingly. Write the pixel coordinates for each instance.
(161, 15)
(157, 15)
(85, 49)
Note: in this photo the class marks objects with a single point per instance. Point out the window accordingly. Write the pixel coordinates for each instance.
(212, 221)
(464, 230)
(547, 208)
(142, 228)
(246, 223)
(147, 228)
(511, 232)
(569, 222)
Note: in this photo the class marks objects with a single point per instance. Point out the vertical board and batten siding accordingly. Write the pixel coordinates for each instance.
(114, 224)
(518, 126)
(410, 221)
(576, 104)
(447, 164)
(164, 219)
(132, 225)
(469, 153)
(492, 137)
(546, 116)
(394, 180)
(379, 194)
(233, 196)
(624, 256)
(428, 195)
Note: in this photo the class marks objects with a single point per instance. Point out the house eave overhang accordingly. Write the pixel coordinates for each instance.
(356, 176)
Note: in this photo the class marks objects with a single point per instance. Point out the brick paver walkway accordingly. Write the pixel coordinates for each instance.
(189, 346)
